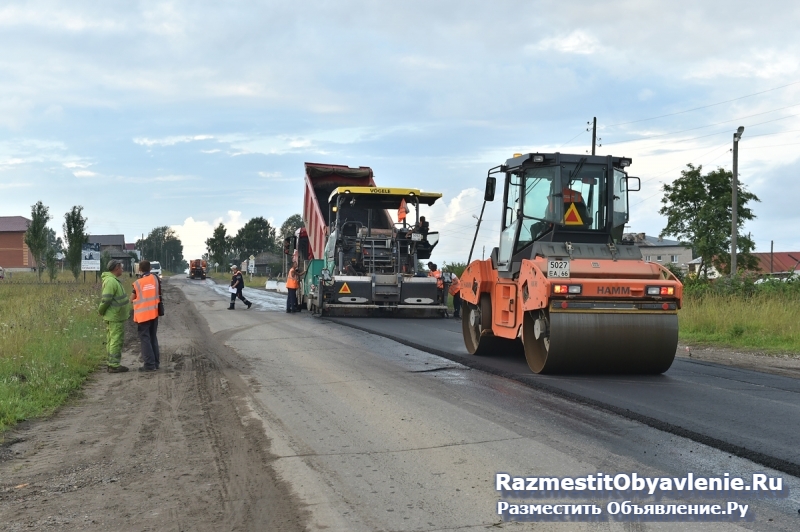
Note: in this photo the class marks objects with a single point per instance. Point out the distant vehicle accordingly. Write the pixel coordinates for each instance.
(780, 277)
(155, 268)
(197, 269)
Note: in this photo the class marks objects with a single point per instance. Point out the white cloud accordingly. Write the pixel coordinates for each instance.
(84, 173)
(194, 233)
(577, 42)
(170, 141)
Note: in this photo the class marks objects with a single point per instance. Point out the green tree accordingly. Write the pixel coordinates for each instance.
(219, 245)
(164, 246)
(698, 211)
(54, 247)
(292, 224)
(256, 236)
(75, 235)
(455, 267)
(36, 235)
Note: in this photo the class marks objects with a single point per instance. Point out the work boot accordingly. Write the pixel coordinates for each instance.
(145, 368)
(248, 304)
(231, 307)
(117, 369)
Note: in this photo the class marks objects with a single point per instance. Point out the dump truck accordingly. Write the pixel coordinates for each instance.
(354, 259)
(562, 286)
(197, 269)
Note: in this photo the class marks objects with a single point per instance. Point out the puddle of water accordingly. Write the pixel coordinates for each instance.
(263, 301)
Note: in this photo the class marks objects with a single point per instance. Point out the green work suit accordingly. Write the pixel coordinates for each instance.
(115, 309)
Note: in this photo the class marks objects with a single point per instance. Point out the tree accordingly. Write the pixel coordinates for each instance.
(36, 235)
(219, 245)
(75, 235)
(164, 246)
(256, 236)
(698, 211)
(292, 224)
(54, 247)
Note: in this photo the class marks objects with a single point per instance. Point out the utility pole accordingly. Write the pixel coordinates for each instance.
(734, 199)
(595, 140)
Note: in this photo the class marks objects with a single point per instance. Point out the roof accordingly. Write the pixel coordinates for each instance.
(641, 239)
(782, 261)
(130, 247)
(14, 224)
(388, 198)
(108, 240)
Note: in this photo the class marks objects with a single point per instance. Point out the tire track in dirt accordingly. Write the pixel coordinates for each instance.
(155, 451)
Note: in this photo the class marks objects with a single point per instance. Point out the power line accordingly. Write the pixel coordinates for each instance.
(704, 106)
(711, 125)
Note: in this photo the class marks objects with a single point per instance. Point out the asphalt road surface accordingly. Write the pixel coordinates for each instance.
(371, 434)
(751, 414)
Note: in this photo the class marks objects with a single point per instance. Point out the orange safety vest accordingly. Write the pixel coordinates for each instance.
(291, 280)
(453, 284)
(145, 304)
(438, 275)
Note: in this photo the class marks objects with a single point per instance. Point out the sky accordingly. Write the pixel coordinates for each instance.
(188, 114)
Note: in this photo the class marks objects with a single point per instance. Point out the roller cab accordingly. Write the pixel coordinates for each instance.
(561, 285)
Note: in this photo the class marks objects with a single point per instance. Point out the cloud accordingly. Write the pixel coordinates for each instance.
(194, 233)
(577, 42)
(84, 173)
(170, 141)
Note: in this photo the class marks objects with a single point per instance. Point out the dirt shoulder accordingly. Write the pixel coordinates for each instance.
(150, 451)
(787, 365)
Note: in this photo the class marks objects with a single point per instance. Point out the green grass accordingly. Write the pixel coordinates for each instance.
(51, 339)
(225, 278)
(763, 321)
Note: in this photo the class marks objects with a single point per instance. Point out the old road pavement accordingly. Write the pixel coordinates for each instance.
(370, 433)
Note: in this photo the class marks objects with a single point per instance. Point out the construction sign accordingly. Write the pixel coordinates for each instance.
(345, 289)
(571, 217)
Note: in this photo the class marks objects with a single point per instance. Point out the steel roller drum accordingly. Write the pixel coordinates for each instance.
(602, 343)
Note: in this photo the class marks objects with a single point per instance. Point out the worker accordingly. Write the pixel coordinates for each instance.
(145, 297)
(456, 293)
(422, 227)
(292, 284)
(237, 285)
(115, 309)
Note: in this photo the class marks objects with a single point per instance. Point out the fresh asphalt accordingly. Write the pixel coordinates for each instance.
(750, 414)
(745, 413)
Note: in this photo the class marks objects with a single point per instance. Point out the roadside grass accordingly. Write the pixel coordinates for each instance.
(766, 320)
(51, 339)
(225, 278)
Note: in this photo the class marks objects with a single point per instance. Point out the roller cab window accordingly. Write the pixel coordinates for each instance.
(571, 196)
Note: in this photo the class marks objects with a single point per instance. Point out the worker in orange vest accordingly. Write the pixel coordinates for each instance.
(145, 297)
(292, 284)
(455, 291)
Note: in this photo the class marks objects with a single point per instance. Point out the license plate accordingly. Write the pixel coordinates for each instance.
(558, 269)
(416, 237)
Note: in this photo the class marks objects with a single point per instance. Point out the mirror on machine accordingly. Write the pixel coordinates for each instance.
(634, 184)
(491, 184)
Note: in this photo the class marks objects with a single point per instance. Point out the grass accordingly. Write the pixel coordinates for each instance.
(51, 339)
(225, 278)
(766, 321)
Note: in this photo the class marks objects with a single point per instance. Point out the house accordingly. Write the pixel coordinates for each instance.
(661, 250)
(694, 269)
(14, 253)
(114, 245)
(782, 262)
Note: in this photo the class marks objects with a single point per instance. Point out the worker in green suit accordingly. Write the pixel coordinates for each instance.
(115, 309)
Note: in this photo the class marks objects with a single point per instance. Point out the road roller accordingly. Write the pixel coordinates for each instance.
(562, 285)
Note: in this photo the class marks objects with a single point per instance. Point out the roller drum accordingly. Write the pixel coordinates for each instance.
(601, 342)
